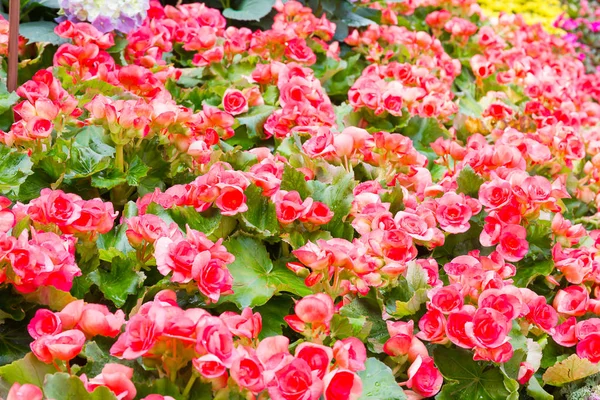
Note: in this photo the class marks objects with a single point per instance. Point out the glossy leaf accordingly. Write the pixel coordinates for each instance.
(26, 370)
(467, 379)
(63, 386)
(337, 194)
(379, 383)
(261, 217)
(468, 182)
(15, 167)
(89, 154)
(293, 179)
(254, 119)
(249, 10)
(40, 31)
(119, 280)
(255, 278)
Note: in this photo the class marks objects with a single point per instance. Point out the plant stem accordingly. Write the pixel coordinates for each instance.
(285, 249)
(336, 282)
(119, 162)
(189, 385)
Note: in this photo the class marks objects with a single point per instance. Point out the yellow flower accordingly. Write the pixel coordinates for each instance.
(533, 11)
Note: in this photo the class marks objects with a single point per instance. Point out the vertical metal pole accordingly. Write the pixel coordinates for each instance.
(14, 15)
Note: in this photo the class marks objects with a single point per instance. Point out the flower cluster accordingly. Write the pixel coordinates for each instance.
(47, 105)
(68, 213)
(45, 259)
(194, 257)
(123, 15)
(61, 336)
(219, 347)
(304, 103)
(221, 186)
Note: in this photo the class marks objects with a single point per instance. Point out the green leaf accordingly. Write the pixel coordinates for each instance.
(255, 278)
(46, 3)
(469, 379)
(401, 309)
(120, 44)
(149, 184)
(50, 297)
(527, 273)
(511, 367)
(226, 226)
(254, 119)
(158, 210)
(459, 244)
(89, 153)
(97, 354)
(41, 32)
(115, 242)
(62, 386)
(361, 308)
(28, 68)
(569, 370)
(337, 194)
(293, 179)
(206, 222)
(539, 236)
(423, 132)
(108, 179)
(261, 217)
(15, 167)
(535, 390)
(271, 95)
(327, 67)
(120, 281)
(469, 182)
(11, 306)
(298, 239)
(411, 292)
(137, 170)
(249, 10)
(272, 315)
(94, 87)
(379, 382)
(14, 341)
(395, 197)
(345, 115)
(26, 370)
(344, 327)
(33, 185)
(466, 92)
(95, 358)
(245, 142)
(553, 353)
(7, 100)
(351, 18)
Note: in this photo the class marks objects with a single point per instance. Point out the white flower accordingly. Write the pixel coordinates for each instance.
(114, 10)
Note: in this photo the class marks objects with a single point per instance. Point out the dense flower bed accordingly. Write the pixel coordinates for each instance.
(194, 210)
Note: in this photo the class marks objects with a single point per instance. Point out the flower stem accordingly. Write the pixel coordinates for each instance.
(285, 249)
(189, 385)
(119, 161)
